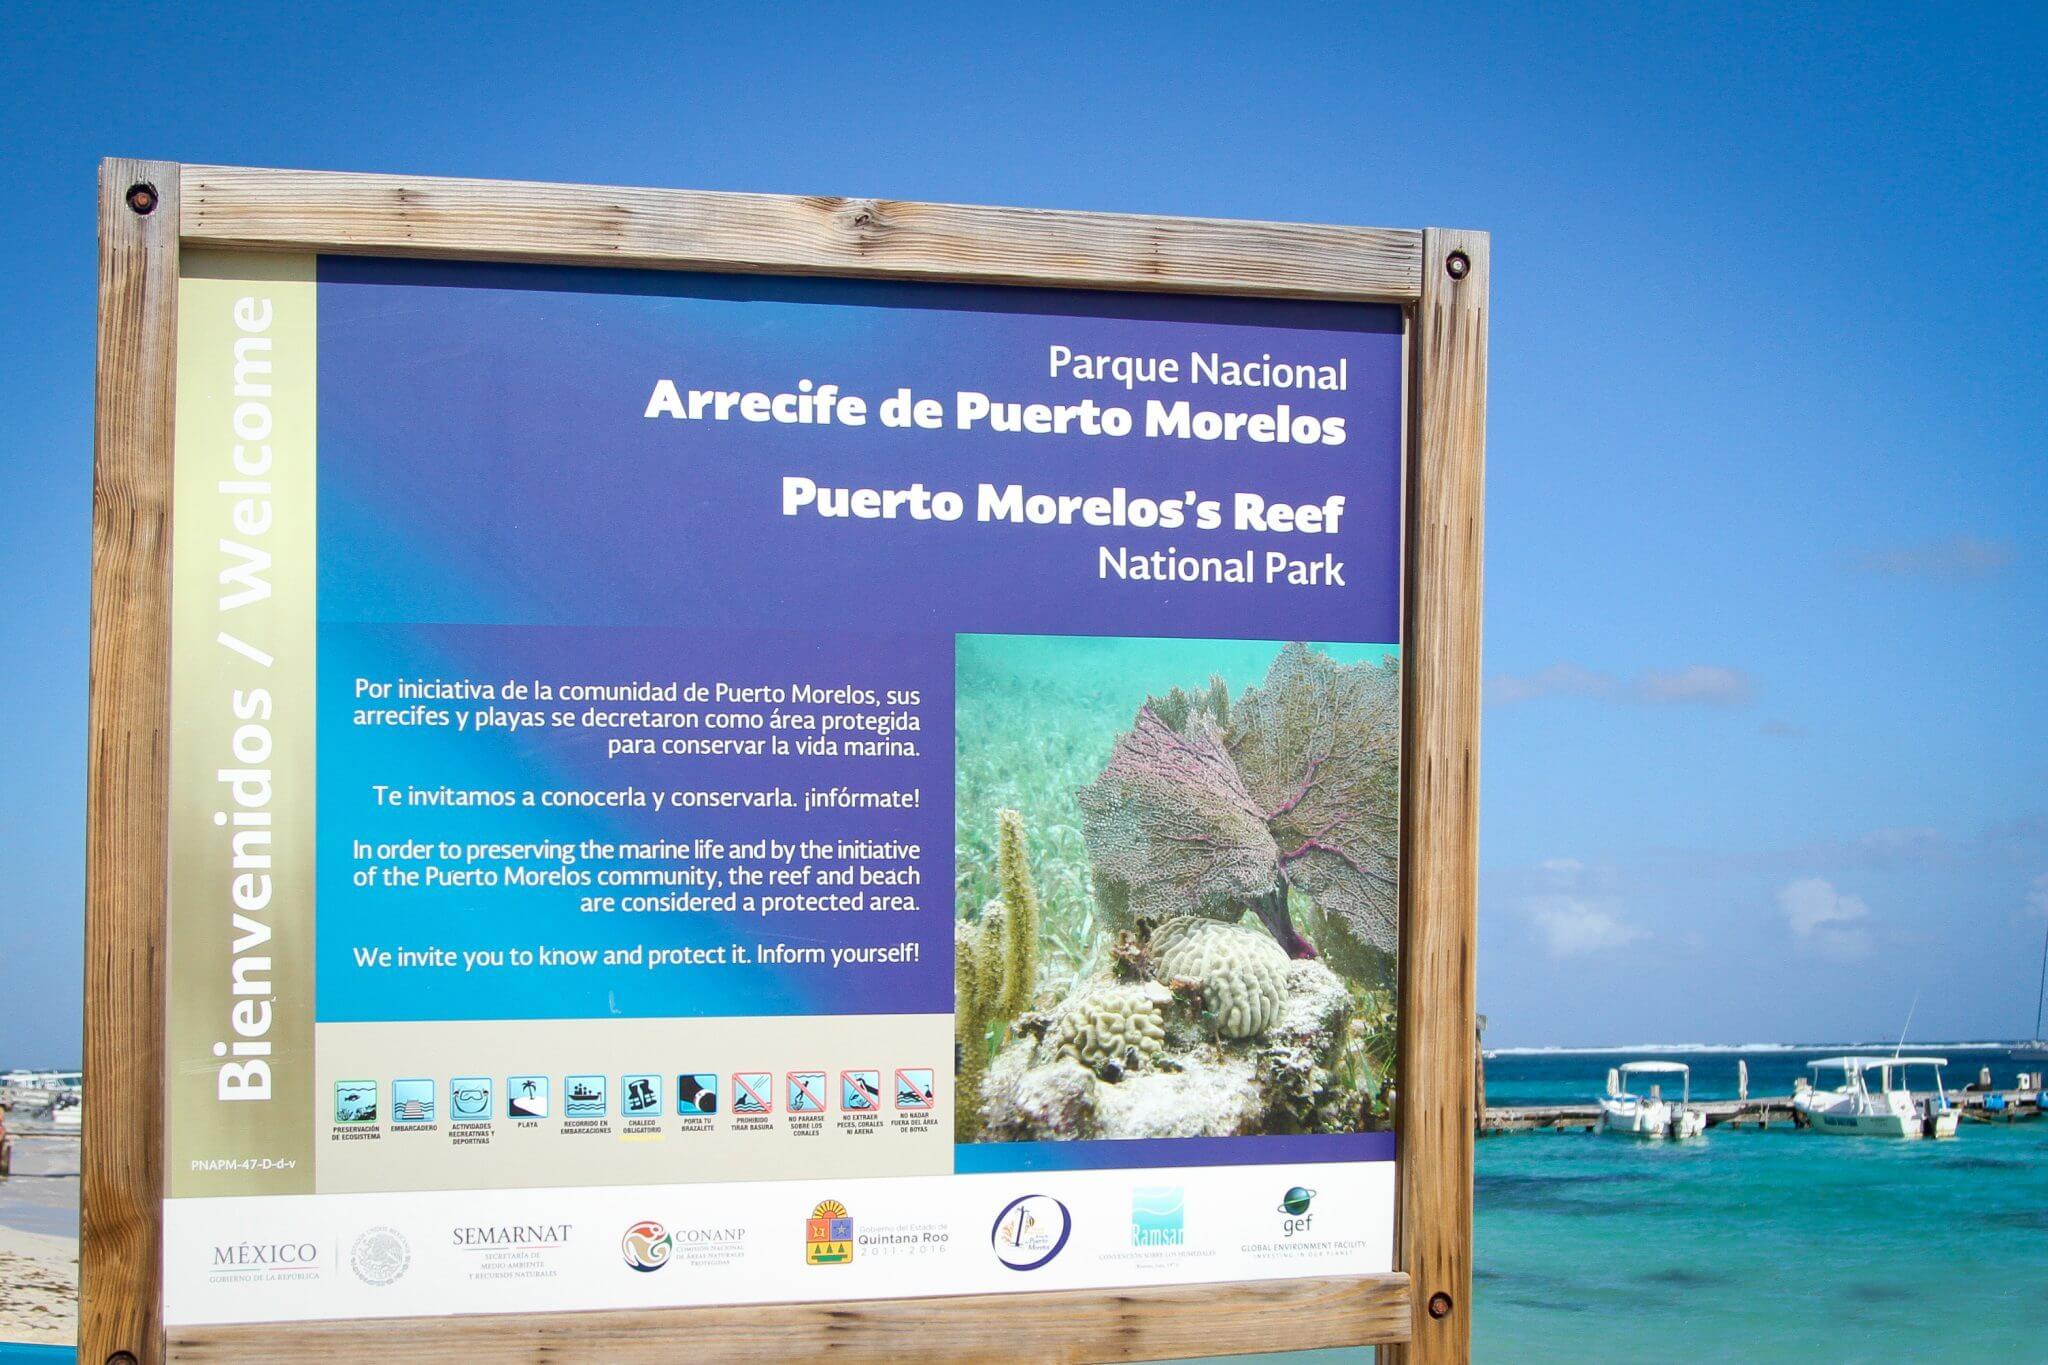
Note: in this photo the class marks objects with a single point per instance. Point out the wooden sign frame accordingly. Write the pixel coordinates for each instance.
(148, 210)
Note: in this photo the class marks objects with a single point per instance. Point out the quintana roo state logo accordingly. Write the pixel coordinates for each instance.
(646, 1245)
(828, 1234)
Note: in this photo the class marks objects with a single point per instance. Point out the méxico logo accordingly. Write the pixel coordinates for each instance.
(1030, 1231)
(828, 1234)
(646, 1245)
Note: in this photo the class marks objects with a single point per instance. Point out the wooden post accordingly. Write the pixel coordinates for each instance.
(1440, 820)
(121, 1172)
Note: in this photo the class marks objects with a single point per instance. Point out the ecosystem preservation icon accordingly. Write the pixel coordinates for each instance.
(806, 1092)
(640, 1097)
(526, 1097)
(469, 1098)
(583, 1097)
(860, 1091)
(914, 1087)
(355, 1101)
(697, 1092)
(753, 1092)
(412, 1101)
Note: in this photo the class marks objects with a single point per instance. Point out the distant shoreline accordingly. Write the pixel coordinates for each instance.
(1868, 1045)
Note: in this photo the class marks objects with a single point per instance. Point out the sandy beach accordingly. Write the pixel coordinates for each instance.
(39, 1241)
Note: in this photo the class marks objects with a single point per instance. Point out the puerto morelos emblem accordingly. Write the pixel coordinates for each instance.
(380, 1256)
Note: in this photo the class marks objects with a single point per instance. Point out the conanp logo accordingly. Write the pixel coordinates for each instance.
(1030, 1231)
(646, 1245)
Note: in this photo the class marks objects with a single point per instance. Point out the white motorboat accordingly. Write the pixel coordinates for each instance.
(1627, 1114)
(1874, 1099)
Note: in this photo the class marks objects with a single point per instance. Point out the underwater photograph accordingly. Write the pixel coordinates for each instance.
(1176, 878)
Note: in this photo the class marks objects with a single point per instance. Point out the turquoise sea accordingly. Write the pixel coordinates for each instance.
(1774, 1245)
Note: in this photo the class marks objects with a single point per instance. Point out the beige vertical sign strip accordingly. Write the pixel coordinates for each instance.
(240, 1000)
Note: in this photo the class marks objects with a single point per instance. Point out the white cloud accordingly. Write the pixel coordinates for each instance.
(1572, 926)
(1954, 560)
(1689, 685)
(1824, 919)
(1695, 684)
(1558, 680)
(2037, 898)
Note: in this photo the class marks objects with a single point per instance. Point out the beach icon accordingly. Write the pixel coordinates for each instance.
(697, 1092)
(412, 1101)
(469, 1098)
(526, 1097)
(860, 1091)
(752, 1092)
(583, 1097)
(641, 1097)
(806, 1092)
(355, 1101)
(914, 1087)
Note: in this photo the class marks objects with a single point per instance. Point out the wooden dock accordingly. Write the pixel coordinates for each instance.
(1771, 1111)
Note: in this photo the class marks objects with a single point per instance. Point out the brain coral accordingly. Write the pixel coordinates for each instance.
(1112, 1029)
(1241, 970)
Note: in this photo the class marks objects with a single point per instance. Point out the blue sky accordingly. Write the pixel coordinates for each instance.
(1767, 506)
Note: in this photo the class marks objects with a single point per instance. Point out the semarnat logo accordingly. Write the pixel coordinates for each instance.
(513, 1235)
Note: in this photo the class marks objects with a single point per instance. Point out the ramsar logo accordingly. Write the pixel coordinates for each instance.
(380, 1256)
(1158, 1217)
(828, 1234)
(1294, 1210)
(1030, 1231)
(646, 1245)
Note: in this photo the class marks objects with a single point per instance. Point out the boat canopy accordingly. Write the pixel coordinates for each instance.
(1654, 1066)
(1872, 1063)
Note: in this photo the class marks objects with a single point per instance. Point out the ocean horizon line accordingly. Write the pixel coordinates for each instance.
(1870, 1044)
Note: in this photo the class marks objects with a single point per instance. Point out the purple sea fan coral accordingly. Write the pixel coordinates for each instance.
(1301, 790)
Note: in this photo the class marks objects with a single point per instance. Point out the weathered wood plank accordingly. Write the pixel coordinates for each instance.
(782, 234)
(1440, 806)
(128, 712)
(1064, 1327)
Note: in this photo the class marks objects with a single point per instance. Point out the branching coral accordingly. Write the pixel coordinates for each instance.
(1212, 807)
